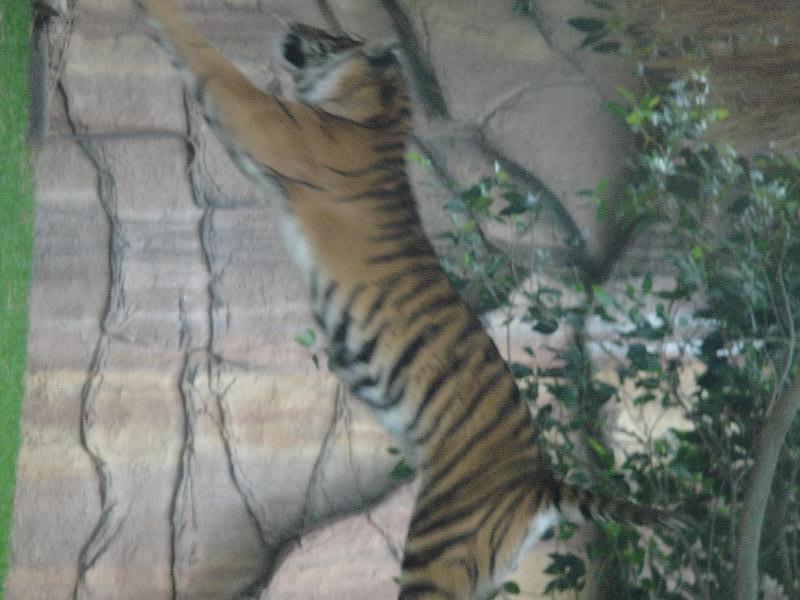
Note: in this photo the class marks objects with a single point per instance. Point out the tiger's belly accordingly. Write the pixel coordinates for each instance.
(396, 332)
(296, 243)
(362, 336)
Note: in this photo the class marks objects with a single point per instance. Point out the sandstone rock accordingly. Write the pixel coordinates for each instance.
(177, 441)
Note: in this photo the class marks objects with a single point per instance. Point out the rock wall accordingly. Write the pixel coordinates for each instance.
(177, 441)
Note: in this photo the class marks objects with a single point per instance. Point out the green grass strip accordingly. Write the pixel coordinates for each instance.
(16, 219)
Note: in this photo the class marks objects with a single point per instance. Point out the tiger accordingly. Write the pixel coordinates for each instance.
(397, 334)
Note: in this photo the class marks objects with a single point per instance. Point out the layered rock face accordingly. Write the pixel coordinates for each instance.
(177, 440)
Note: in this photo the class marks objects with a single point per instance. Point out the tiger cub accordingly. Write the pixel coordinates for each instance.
(397, 333)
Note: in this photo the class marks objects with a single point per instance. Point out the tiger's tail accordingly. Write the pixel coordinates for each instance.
(579, 504)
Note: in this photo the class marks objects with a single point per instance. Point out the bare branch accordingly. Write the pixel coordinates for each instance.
(768, 446)
(330, 17)
(780, 518)
(424, 77)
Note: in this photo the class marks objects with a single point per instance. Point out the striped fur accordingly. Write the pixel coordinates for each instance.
(397, 333)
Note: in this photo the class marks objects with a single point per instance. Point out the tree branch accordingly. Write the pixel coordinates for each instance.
(424, 76)
(768, 446)
(780, 517)
(330, 17)
(616, 236)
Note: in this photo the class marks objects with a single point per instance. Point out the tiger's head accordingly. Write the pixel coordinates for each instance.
(342, 76)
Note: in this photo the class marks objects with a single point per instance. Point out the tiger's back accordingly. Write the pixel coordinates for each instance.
(397, 333)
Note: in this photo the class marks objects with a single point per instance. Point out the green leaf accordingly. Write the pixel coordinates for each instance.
(511, 587)
(684, 187)
(530, 391)
(606, 47)
(455, 205)
(601, 312)
(468, 227)
(616, 109)
(586, 24)
(602, 296)
(546, 326)
(568, 569)
(418, 158)
(602, 210)
(543, 322)
(566, 394)
(499, 174)
(307, 338)
(641, 359)
(517, 203)
(602, 392)
(647, 283)
(475, 199)
(471, 194)
(402, 471)
(520, 370)
(628, 95)
(720, 114)
(604, 457)
(593, 38)
(660, 447)
(649, 383)
(567, 530)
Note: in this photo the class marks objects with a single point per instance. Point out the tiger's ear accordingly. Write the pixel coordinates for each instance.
(384, 60)
(292, 52)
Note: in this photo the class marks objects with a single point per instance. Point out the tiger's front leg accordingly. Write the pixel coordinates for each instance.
(270, 138)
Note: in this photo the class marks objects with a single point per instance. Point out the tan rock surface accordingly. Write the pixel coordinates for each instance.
(177, 442)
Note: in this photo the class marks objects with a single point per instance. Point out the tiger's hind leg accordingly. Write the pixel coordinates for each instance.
(450, 566)
(441, 579)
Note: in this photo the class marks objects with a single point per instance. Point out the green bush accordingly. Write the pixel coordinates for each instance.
(731, 304)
